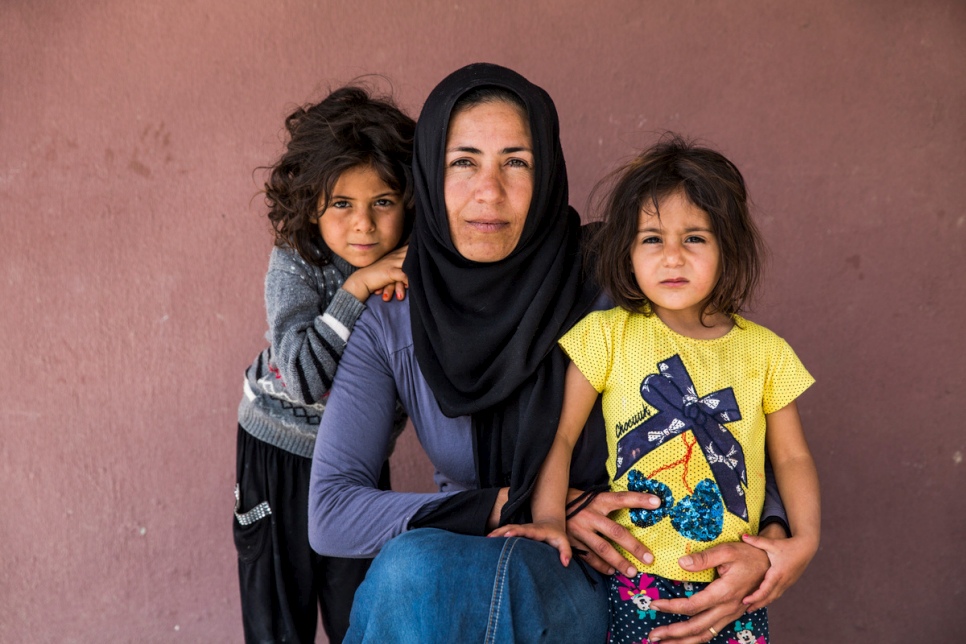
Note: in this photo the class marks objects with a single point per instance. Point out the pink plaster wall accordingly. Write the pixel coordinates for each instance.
(132, 256)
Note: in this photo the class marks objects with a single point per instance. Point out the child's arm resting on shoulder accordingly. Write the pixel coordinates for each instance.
(308, 334)
(798, 484)
(384, 276)
(550, 493)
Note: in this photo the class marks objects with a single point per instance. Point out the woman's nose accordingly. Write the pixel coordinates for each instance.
(489, 186)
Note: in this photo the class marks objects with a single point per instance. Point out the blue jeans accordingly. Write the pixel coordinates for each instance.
(430, 585)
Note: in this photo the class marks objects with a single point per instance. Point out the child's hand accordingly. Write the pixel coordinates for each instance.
(398, 288)
(788, 558)
(549, 532)
(385, 277)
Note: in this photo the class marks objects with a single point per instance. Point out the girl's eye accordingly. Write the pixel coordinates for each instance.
(340, 203)
(384, 203)
(651, 240)
(694, 239)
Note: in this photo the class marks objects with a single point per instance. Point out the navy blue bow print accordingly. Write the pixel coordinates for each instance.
(671, 392)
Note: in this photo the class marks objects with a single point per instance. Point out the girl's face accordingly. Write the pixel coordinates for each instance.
(676, 259)
(488, 180)
(364, 220)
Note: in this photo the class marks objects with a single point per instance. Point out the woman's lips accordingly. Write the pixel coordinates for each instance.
(676, 281)
(487, 225)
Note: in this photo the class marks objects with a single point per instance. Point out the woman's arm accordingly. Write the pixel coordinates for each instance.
(348, 515)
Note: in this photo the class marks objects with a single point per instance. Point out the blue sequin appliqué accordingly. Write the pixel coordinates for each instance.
(641, 517)
(698, 516)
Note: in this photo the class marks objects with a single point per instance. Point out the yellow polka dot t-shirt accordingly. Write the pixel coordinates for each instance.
(686, 421)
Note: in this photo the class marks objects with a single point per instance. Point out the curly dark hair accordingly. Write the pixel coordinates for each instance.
(709, 181)
(349, 128)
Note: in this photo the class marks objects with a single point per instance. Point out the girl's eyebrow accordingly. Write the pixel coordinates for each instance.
(388, 193)
(694, 229)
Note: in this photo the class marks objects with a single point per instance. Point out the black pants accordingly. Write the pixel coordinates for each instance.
(281, 578)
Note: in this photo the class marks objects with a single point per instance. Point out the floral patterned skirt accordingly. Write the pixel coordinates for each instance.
(632, 618)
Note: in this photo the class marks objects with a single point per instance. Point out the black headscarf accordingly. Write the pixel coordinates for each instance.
(485, 334)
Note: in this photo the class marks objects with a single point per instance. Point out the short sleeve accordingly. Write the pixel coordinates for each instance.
(589, 344)
(787, 378)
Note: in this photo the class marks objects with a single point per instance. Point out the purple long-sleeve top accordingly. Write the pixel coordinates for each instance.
(348, 515)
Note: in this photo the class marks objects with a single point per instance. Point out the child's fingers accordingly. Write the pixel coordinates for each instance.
(400, 290)
(762, 597)
(758, 596)
(762, 543)
(508, 530)
(563, 547)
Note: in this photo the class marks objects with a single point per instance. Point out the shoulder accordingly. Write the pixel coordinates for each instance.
(611, 316)
(287, 260)
(756, 332)
(389, 322)
(595, 327)
(285, 256)
(286, 263)
(761, 340)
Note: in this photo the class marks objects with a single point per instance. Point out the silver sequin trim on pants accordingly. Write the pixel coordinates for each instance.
(260, 511)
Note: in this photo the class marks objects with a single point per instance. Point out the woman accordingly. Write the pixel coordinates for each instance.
(495, 280)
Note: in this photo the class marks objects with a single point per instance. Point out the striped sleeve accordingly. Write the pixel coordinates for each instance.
(308, 333)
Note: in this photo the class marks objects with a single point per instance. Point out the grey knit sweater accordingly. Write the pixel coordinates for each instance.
(310, 318)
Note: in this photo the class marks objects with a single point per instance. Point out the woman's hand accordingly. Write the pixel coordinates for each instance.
(741, 569)
(591, 528)
(549, 532)
(384, 276)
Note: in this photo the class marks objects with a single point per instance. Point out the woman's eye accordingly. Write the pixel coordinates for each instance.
(460, 163)
(518, 163)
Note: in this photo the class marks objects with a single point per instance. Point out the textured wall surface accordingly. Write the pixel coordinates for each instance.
(133, 249)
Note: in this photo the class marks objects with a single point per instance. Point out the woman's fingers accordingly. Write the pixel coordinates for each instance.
(593, 528)
(740, 568)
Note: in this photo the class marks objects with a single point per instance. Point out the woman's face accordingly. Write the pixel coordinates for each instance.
(488, 179)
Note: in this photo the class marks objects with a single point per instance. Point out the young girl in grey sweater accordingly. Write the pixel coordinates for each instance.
(340, 201)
